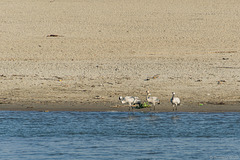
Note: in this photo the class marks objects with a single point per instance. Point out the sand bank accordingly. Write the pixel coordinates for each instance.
(92, 52)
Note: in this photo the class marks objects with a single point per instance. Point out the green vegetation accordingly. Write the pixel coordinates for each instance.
(143, 105)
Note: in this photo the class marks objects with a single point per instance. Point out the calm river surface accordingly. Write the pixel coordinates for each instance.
(118, 135)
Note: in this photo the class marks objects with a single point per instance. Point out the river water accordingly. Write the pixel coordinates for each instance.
(118, 135)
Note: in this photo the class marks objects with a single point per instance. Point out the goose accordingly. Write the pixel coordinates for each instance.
(175, 101)
(152, 100)
(130, 100)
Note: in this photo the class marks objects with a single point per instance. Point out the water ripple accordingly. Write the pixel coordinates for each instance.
(118, 135)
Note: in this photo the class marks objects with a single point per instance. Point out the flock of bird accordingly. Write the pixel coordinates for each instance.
(153, 100)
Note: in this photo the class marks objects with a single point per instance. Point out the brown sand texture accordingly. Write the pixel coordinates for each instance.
(82, 55)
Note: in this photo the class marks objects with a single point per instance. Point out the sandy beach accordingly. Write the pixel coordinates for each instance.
(82, 55)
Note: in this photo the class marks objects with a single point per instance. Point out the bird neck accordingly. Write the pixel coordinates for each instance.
(148, 95)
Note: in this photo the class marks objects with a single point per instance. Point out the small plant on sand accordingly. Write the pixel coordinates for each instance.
(143, 105)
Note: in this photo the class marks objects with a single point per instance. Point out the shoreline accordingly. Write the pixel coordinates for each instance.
(111, 107)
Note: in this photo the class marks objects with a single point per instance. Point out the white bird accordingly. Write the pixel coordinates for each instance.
(152, 100)
(175, 101)
(130, 100)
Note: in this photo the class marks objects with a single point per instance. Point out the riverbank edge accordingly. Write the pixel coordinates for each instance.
(118, 107)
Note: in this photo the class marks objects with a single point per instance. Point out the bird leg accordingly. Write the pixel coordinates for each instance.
(130, 105)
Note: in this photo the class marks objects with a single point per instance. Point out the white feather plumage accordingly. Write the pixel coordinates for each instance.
(175, 101)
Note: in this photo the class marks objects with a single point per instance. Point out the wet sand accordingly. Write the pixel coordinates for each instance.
(111, 107)
(83, 55)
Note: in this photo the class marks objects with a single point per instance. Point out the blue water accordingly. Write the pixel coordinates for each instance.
(119, 135)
